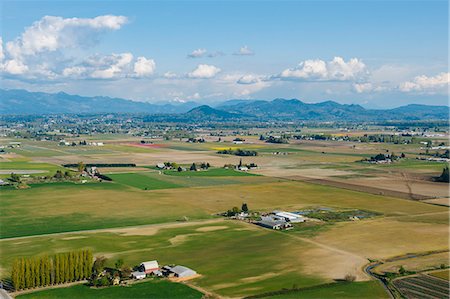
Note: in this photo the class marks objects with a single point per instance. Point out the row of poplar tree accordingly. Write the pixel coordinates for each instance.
(44, 270)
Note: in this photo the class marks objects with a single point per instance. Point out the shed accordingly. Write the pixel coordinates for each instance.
(182, 271)
(149, 266)
(138, 275)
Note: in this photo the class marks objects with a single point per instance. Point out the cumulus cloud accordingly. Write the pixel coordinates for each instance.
(2, 55)
(52, 33)
(144, 67)
(14, 67)
(318, 70)
(170, 75)
(423, 83)
(204, 71)
(110, 66)
(244, 51)
(363, 87)
(39, 52)
(197, 53)
(249, 79)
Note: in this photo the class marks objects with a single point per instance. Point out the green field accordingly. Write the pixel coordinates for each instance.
(357, 290)
(152, 289)
(444, 274)
(141, 181)
(212, 248)
(212, 172)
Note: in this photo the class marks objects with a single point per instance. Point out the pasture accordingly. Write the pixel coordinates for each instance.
(151, 289)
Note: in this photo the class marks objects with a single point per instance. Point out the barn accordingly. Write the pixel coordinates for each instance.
(149, 267)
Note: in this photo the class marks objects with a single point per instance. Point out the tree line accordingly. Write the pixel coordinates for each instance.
(41, 271)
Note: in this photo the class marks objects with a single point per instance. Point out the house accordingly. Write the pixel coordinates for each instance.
(294, 218)
(179, 271)
(3, 183)
(161, 165)
(138, 275)
(149, 267)
(243, 168)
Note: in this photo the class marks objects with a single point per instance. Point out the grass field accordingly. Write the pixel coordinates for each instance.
(140, 181)
(152, 289)
(69, 207)
(444, 274)
(366, 290)
(212, 248)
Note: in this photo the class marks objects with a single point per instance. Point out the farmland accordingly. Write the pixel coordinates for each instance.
(173, 216)
(153, 289)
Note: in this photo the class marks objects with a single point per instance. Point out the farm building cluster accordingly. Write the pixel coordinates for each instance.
(282, 220)
(152, 268)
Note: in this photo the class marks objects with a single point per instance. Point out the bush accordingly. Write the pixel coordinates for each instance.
(350, 278)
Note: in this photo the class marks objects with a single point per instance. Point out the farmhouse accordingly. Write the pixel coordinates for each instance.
(178, 271)
(149, 267)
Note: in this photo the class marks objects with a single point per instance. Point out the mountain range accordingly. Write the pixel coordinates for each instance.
(24, 102)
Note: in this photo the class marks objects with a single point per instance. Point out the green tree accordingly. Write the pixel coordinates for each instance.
(66, 267)
(244, 207)
(15, 274)
(71, 267)
(193, 167)
(118, 264)
(37, 272)
(88, 266)
(81, 167)
(444, 177)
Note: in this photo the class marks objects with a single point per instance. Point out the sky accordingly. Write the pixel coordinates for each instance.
(378, 54)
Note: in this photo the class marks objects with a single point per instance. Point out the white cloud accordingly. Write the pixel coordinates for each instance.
(426, 84)
(52, 33)
(14, 67)
(249, 79)
(75, 71)
(319, 70)
(363, 87)
(204, 71)
(244, 51)
(112, 66)
(144, 67)
(170, 75)
(197, 53)
(38, 52)
(2, 55)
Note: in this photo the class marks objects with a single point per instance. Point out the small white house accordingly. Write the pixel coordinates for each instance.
(138, 275)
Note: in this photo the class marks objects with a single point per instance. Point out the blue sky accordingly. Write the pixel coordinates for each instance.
(373, 53)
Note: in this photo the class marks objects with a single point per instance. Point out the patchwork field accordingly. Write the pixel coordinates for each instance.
(171, 216)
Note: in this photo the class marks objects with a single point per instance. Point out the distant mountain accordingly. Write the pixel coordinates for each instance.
(24, 102)
(283, 109)
(207, 112)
